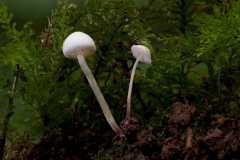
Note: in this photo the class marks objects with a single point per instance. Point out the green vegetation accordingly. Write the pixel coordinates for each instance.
(195, 60)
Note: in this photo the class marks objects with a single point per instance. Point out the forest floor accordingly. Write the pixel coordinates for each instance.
(179, 139)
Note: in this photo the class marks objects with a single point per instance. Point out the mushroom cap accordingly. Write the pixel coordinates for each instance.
(141, 50)
(78, 43)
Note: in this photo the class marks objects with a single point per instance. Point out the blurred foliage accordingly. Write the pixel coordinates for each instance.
(195, 60)
(33, 11)
(199, 61)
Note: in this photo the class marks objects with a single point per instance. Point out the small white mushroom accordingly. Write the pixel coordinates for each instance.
(142, 54)
(79, 45)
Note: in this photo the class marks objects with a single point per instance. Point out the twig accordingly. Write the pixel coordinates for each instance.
(9, 111)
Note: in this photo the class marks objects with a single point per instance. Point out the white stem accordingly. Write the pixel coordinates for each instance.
(130, 90)
(98, 94)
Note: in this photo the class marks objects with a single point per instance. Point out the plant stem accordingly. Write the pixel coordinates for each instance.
(99, 96)
(9, 111)
(130, 90)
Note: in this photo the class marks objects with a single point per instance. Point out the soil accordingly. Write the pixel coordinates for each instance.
(180, 139)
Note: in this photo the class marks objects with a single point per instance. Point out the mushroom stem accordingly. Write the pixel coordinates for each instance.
(98, 94)
(130, 89)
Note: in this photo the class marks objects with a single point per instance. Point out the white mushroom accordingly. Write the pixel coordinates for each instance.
(79, 45)
(142, 54)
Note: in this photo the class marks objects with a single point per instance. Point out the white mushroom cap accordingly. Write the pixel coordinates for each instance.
(78, 43)
(141, 50)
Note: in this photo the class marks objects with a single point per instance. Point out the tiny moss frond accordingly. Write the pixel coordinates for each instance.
(18, 46)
